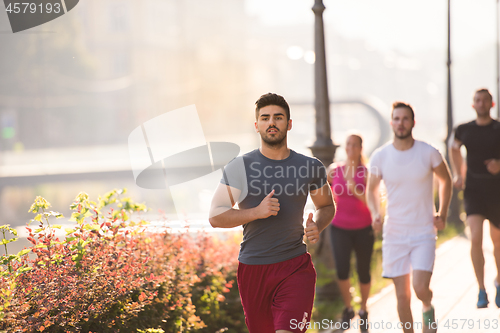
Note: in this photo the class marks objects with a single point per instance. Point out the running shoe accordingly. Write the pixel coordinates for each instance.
(497, 298)
(430, 325)
(363, 316)
(482, 299)
(347, 315)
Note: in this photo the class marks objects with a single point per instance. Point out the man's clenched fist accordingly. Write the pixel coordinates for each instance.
(311, 229)
(377, 224)
(268, 206)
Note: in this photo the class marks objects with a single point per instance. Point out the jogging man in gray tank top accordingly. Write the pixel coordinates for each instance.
(276, 277)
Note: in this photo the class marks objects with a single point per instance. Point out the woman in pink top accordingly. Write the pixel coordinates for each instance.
(351, 227)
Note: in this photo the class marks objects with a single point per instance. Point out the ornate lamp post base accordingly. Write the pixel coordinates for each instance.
(324, 152)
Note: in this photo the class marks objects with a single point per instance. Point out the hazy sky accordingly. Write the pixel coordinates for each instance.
(409, 26)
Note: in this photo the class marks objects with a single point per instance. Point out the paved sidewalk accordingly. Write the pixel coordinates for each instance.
(455, 294)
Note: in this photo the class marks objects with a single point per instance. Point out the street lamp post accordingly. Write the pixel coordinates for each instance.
(454, 214)
(449, 111)
(323, 148)
(498, 61)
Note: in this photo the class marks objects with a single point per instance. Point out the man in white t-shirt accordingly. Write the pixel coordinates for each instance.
(407, 167)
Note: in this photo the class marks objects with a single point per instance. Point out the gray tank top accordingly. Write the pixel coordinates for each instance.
(276, 238)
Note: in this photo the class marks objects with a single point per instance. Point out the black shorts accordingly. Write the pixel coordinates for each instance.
(483, 198)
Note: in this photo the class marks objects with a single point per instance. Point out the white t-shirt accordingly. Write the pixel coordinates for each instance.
(408, 179)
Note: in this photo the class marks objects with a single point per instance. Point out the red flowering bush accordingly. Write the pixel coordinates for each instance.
(109, 274)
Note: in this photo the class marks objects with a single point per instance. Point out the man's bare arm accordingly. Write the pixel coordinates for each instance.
(456, 163)
(223, 215)
(330, 172)
(443, 176)
(325, 206)
(325, 211)
(373, 200)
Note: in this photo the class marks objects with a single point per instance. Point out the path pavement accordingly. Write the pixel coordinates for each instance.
(455, 294)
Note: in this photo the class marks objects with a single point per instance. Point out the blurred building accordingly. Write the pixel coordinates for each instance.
(114, 64)
(72, 90)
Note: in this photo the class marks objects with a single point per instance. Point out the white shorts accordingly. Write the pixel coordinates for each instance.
(401, 256)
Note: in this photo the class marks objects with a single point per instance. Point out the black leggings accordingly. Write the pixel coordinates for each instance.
(359, 240)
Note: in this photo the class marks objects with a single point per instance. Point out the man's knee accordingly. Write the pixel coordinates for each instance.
(422, 291)
(495, 236)
(475, 223)
(403, 298)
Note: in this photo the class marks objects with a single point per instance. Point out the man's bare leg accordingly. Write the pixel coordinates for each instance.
(475, 223)
(421, 283)
(403, 294)
(495, 238)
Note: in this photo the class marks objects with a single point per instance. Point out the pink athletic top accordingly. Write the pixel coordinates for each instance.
(351, 213)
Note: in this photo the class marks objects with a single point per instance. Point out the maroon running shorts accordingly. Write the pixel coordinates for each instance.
(278, 296)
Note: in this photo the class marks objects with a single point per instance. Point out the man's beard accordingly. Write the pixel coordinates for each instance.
(483, 113)
(275, 141)
(404, 136)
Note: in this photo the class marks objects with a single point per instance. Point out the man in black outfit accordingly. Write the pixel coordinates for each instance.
(481, 137)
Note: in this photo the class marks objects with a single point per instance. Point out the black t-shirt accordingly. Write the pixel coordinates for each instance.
(276, 238)
(482, 143)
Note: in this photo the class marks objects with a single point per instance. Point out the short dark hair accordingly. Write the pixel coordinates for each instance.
(483, 90)
(399, 104)
(271, 99)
